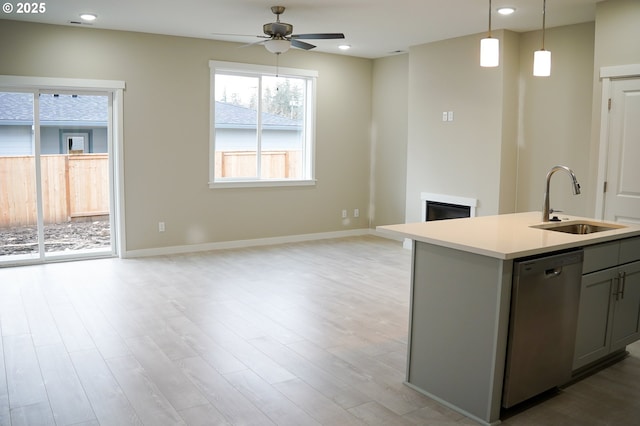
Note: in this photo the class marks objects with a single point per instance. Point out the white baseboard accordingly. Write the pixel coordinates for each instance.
(192, 248)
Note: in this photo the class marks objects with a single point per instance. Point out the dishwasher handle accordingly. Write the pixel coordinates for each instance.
(553, 272)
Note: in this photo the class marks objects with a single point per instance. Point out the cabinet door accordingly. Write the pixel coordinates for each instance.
(627, 307)
(594, 316)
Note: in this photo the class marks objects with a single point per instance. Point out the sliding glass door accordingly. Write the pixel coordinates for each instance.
(55, 175)
(19, 238)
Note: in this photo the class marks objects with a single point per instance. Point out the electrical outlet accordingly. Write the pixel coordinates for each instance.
(356, 212)
(160, 226)
(344, 214)
(445, 116)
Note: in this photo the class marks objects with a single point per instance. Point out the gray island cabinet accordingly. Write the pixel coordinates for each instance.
(609, 300)
(461, 296)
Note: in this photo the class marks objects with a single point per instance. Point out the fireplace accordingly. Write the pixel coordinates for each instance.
(439, 206)
(441, 211)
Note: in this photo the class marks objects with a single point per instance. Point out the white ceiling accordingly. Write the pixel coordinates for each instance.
(374, 28)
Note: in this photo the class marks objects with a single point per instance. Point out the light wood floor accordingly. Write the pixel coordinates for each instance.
(300, 334)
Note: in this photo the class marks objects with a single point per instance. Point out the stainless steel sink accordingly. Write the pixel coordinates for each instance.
(578, 227)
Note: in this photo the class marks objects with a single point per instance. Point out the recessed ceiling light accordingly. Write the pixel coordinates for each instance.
(88, 17)
(344, 47)
(506, 10)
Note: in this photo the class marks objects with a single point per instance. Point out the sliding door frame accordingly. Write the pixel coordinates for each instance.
(115, 91)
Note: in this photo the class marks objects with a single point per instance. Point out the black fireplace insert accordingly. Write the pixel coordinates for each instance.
(440, 211)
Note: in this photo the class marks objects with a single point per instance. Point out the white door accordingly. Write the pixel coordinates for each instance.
(622, 196)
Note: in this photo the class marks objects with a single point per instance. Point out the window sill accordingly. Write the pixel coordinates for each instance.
(260, 183)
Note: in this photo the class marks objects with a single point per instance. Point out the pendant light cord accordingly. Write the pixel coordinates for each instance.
(544, 18)
(489, 18)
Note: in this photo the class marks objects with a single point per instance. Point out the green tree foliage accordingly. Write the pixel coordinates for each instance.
(286, 100)
(280, 96)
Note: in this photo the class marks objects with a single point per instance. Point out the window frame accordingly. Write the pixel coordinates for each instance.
(309, 124)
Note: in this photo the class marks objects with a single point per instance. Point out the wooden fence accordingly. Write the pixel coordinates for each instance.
(76, 186)
(274, 164)
(73, 186)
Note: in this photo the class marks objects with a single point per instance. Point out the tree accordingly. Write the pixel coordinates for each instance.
(286, 100)
(281, 96)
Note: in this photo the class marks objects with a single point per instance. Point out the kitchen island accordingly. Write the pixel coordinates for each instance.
(460, 300)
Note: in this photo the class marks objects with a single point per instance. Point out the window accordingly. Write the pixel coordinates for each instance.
(262, 125)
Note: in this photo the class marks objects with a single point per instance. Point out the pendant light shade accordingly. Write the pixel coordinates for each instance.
(542, 57)
(489, 48)
(542, 63)
(489, 52)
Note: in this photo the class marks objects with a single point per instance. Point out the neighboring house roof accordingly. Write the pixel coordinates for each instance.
(17, 109)
(236, 116)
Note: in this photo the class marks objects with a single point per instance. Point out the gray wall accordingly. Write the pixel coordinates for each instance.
(463, 157)
(509, 128)
(245, 139)
(555, 118)
(18, 140)
(389, 139)
(380, 138)
(617, 32)
(167, 100)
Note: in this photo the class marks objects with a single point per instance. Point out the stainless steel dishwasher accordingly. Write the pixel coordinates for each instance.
(542, 328)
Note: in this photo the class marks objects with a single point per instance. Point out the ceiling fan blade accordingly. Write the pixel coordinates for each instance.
(301, 44)
(318, 36)
(254, 43)
(237, 35)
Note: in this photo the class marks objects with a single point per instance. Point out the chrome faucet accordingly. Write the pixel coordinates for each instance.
(576, 189)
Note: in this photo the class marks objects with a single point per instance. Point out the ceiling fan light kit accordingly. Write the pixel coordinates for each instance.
(280, 37)
(277, 46)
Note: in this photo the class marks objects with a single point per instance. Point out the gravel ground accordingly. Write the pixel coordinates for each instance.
(57, 237)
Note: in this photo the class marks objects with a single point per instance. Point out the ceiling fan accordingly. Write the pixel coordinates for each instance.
(279, 37)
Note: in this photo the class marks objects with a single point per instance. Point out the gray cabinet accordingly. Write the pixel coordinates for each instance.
(458, 328)
(609, 313)
(594, 316)
(625, 327)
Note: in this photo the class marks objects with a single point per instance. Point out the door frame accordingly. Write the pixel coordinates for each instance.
(115, 129)
(607, 74)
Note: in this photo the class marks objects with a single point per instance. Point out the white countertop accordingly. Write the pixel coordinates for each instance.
(507, 236)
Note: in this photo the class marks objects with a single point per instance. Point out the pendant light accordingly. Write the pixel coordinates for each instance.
(489, 48)
(542, 57)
